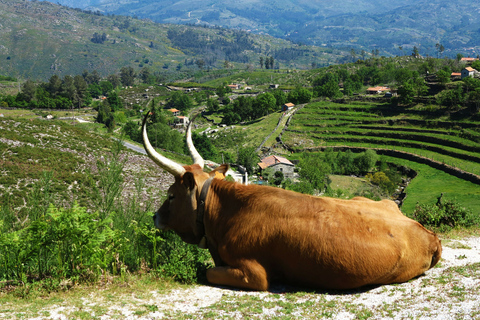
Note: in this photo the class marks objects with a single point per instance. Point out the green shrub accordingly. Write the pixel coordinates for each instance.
(180, 261)
(382, 180)
(445, 215)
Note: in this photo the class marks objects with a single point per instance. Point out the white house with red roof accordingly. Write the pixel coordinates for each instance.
(377, 90)
(468, 72)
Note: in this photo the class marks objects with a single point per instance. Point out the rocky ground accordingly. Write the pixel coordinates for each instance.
(451, 290)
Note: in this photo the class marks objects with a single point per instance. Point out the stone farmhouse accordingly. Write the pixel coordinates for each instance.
(278, 163)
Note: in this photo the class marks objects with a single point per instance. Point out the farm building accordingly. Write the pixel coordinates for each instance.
(287, 106)
(278, 163)
(377, 90)
(468, 72)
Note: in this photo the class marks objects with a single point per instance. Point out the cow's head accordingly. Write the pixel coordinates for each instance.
(179, 211)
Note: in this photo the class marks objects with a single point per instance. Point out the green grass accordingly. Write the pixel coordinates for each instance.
(427, 186)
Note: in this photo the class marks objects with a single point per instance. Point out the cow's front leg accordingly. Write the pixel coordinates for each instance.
(250, 276)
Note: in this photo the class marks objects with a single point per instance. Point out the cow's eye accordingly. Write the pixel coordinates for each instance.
(171, 197)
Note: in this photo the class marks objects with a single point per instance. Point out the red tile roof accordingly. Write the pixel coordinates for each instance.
(271, 160)
(378, 89)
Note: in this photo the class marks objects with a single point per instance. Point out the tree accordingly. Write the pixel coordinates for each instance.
(261, 62)
(180, 100)
(204, 146)
(90, 78)
(330, 90)
(131, 129)
(222, 90)
(470, 84)
(81, 92)
(365, 161)
(230, 117)
(200, 63)
(415, 52)
(115, 80)
(248, 158)
(244, 107)
(353, 54)
(476, 64)
(99, 38)
(106, 87)
(324, 86)
(54, 85)
(280, 97)
(473, 98)
(127, 76)
(264, 104)
(213, 105)
(351, 85)
(345, 163)
(162, 136)
(28, 90)
(406, 92)
(95, 90)
(272, 62)
(105, 116)
(146, 76)
(314, 170)
(451, 98)
(68, 89)
(278, 178)
(443, 77)
(114, 101)
(300, 95)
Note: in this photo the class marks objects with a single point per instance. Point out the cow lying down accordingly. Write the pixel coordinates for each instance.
(257, 234)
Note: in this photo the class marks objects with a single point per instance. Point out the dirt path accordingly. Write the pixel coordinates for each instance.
(449, 291)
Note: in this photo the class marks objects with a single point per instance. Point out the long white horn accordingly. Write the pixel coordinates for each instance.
(171, 166)
(196, 157)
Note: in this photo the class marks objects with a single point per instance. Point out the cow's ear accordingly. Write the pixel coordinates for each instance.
(189, 180)
(220, 172)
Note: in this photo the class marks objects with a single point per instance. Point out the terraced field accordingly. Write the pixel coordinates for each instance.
(404, 136)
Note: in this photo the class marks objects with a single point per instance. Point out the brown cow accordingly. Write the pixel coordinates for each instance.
(257, 234)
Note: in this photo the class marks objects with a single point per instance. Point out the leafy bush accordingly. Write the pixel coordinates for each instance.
(445, 215)
(382, 180)
(51, 243)
(180, 261)
(68, 243)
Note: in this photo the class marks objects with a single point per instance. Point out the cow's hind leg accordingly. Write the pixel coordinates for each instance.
(250, 276)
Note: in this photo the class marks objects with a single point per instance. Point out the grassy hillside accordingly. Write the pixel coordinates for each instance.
(39, 39)
(391, 27)
(33, 147)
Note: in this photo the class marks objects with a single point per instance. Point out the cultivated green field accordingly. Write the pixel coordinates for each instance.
(417, 131)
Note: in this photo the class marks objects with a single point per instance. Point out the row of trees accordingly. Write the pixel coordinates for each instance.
(251, 108)
(70, 91)
(268, 62)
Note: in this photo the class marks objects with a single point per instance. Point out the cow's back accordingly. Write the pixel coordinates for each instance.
(322, 242)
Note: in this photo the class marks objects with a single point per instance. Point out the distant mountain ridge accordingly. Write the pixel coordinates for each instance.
(361, 25)
(39, 39)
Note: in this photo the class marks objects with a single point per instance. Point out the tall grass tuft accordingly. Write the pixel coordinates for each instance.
(54, 244)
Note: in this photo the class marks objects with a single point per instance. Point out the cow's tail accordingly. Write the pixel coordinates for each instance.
(437, 251)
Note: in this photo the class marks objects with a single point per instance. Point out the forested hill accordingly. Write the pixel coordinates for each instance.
(39, 39)
(362, 25)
